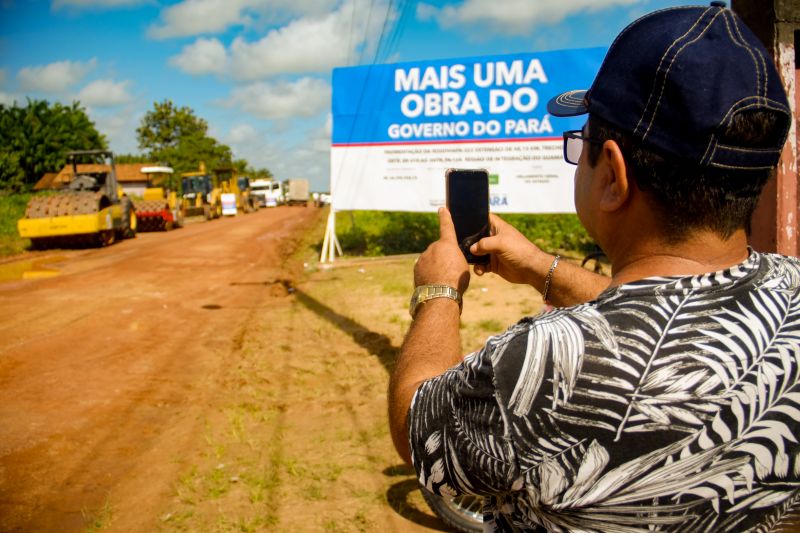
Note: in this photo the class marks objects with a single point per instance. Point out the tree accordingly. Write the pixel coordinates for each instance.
(131, 158)
(36, 138)
(244, 168)
(176, 136)
(263, 173)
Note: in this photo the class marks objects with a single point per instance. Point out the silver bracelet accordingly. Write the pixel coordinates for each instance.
(549, 278)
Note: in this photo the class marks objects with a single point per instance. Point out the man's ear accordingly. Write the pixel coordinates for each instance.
(616, 187)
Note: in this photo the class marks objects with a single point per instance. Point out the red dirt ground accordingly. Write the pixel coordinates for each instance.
(102, 367)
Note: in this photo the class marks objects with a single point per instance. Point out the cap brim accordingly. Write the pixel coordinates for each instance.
(568, 104)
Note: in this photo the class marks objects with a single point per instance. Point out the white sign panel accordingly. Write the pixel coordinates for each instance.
(397, 128)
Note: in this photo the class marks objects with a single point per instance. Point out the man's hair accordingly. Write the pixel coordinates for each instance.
(690, 197)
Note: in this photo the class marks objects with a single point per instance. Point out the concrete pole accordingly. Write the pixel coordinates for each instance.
(775, 222)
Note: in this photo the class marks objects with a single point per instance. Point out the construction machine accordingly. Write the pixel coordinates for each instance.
(92, 210)
(295, 191)
(249, 201)
(201, 194)
(266, 192)
(237, 189)
(159, 209)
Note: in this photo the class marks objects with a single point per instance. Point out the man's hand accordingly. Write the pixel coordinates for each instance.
(518, 260)
(443, 263)
(513, 256)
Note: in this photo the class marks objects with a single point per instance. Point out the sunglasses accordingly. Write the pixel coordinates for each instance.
(573, 145)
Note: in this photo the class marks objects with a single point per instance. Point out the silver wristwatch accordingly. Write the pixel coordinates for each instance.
(423, 293)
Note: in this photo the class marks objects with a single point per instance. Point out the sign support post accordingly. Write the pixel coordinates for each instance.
(330, 244)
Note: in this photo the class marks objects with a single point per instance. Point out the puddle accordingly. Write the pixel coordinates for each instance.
(33, 269)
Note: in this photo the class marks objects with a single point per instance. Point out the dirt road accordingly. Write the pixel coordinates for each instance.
(180, 381)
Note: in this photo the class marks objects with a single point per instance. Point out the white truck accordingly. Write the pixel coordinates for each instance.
(268, 193)
(295, 191)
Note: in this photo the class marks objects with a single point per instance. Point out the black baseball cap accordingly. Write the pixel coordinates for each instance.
(675, 78)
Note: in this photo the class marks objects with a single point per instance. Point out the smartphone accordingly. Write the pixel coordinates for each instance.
(468, 202)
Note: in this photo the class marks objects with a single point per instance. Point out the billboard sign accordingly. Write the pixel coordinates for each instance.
(398, 127)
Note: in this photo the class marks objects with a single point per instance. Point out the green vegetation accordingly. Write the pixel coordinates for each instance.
(12, 208)
(374, 233)
(36, 138)
(98, 519)
(176, 136)
(553, 232)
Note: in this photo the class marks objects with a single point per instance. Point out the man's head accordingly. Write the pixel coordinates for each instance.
(696, 105)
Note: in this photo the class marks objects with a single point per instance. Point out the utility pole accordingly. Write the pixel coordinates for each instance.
(775, 222)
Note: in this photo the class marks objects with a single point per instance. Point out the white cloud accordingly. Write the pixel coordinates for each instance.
(119, 127)
(512, 16)
(321, 137)
(426, 12)
(7, 99)
(55, 77)
(193, 17)
(302, 46)
(309, 44)
(204, 56)
(300, 153)
(308, 157)
(242, 133)
(105, 93)
(305, 97)
(305, 45)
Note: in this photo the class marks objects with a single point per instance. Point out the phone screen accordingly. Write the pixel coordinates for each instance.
(468, 202)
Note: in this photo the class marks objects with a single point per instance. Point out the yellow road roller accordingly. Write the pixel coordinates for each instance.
(92, 210)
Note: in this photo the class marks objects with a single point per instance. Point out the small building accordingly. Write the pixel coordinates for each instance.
(46, 182)
(129, 176)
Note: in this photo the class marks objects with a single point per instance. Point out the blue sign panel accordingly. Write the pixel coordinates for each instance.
(491, 98)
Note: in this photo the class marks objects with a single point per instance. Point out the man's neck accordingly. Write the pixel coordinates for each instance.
(702, 253)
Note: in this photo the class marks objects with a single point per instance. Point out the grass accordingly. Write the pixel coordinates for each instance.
(297, 437)
(301, 428)
(377, 233)
(12, 208)
(98, 519)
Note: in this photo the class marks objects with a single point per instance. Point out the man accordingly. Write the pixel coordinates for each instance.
(667, 397)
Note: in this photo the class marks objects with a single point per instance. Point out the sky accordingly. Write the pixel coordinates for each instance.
(259, 71)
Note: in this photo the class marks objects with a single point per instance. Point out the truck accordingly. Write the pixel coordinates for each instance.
(267, 192)
(295, 191)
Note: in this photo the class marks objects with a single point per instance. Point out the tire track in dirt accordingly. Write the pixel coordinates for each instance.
(105, 396)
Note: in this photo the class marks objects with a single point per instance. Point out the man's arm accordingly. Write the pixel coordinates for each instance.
(518, 260)
(432, 344)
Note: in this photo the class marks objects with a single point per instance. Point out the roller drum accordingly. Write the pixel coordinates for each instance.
(63, 204)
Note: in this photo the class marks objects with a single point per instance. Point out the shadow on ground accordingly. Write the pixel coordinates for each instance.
(398, 498)
(375, 343)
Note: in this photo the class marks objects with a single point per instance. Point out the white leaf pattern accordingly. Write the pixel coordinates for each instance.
(669, 404)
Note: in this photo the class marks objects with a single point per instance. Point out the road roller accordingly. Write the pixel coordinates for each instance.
(159, 208)
(92, 210)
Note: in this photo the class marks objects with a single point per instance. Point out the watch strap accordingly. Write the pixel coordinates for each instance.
(423, 293)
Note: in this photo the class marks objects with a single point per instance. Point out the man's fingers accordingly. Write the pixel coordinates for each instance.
(447, 231)
(496, 223)
(483, 246)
